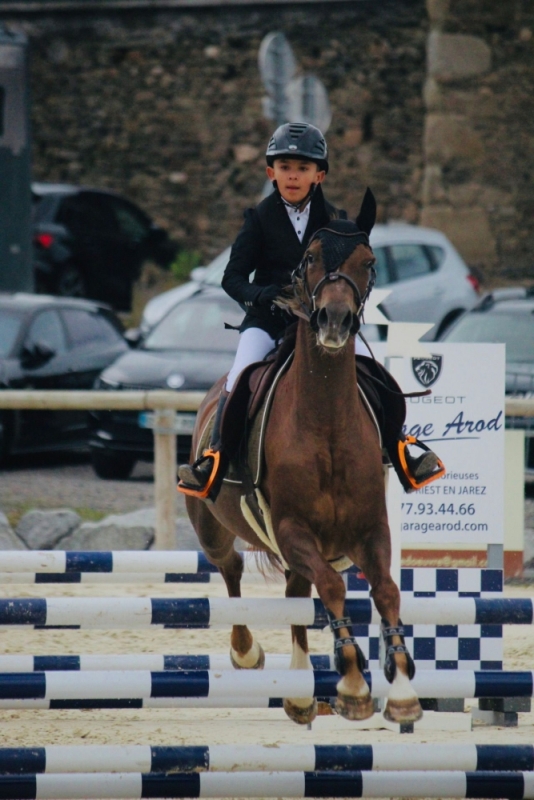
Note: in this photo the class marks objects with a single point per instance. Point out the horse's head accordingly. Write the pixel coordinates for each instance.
(336, 275)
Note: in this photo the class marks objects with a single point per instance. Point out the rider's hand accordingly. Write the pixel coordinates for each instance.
(267, 295)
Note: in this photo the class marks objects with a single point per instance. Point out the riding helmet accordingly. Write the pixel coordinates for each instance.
(298, 139)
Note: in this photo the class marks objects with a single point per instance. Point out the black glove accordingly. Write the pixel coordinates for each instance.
(267, 295)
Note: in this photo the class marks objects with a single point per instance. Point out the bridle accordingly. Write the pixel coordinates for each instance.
(310, 311)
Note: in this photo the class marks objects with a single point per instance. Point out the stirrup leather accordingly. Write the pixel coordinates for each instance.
(203, 491)
(414, 483)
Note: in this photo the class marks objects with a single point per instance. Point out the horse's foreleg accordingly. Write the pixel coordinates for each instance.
(402, 704)
(299, 548)
(245, 651)
(218, 544)
(300, 710)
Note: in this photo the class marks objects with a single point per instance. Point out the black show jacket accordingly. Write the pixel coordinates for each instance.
(268, 243)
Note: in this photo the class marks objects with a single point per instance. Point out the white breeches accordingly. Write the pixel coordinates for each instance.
(255, 343)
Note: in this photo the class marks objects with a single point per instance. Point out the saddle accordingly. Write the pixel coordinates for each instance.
(381, 394)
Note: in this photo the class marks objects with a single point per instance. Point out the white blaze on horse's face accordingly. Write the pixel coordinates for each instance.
(336, 301)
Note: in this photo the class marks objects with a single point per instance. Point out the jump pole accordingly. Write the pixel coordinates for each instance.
(218, 688)
(141, 612)
(264, 758)
(94, 786)
(146, 661)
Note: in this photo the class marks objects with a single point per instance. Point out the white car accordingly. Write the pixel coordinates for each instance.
(428, 279)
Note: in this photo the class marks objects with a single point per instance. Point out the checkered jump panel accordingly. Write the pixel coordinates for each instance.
(473, 647)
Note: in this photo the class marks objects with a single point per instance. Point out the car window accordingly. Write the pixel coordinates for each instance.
(410, 261)
(86, 328)
(46, 328)
(515, 330)
(437, 254)
(87, 213)
(43, 207)
(132, 224)
(381, 266)
(197, 325)
(10, 324)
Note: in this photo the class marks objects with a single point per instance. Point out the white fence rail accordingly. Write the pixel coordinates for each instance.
(165, 404)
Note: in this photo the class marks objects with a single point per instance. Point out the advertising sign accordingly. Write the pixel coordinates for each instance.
(462, 421)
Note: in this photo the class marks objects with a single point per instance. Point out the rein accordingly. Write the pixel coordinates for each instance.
(310, 312)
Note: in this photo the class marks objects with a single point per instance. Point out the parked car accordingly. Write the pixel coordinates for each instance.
(92, 243)
(506, 315)
(188, 349)
(52, 343)
(428, 279)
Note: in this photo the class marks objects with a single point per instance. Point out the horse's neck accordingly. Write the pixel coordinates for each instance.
(326, 383)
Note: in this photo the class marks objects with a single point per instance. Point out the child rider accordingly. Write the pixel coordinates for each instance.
(272, 243)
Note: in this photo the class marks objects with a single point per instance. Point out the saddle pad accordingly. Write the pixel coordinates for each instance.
(255, 439)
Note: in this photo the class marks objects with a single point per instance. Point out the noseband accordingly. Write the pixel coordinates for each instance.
(335, 254)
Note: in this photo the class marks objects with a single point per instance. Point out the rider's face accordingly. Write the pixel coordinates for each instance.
(295, 177)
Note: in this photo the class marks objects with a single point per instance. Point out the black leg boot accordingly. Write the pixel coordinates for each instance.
(196, 476)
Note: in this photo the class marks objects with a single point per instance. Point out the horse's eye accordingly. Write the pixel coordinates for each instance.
(310, 258)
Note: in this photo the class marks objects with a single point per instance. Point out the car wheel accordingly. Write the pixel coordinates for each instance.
(112, 466)
(70, 282)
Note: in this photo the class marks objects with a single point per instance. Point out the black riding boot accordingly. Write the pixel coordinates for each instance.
(196, 476)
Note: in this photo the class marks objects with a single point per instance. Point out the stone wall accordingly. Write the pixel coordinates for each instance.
(433, 106)
(166, 107)
(479, 132)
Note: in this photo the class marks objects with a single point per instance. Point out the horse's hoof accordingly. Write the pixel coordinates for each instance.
(302, 715)
(324, 709)
(403, 711)
(258, 664)
(355, 708)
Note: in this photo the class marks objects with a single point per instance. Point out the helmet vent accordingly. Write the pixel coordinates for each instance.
(296, 129)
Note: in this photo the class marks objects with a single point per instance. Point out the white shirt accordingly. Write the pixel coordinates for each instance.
(299, 219)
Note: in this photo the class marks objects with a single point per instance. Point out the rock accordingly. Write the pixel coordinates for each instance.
(134, 531)
(452, 56)
(450, 138)
(245, 152)
(469, 230)
(437, 10)
(8, 539)
(42, 530)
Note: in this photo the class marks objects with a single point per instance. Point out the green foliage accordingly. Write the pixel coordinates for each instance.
(185, 261)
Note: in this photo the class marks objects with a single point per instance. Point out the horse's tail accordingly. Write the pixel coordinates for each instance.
(268, 563)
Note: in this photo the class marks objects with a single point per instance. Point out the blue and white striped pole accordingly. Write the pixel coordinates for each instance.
(140, 612)
(242, 688)
(150, 661)
(55, 563)
(264, 758)
(94, 786)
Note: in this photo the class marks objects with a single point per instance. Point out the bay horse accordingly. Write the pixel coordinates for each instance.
(323, 480)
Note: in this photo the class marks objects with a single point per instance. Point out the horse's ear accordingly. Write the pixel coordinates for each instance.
(367, 216)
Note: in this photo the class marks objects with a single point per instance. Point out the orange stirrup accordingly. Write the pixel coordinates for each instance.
(203, 492)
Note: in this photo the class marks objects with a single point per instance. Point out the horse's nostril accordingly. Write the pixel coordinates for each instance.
(322, 318)
(347, 322)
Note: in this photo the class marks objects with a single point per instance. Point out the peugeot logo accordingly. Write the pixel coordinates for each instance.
(427, 370)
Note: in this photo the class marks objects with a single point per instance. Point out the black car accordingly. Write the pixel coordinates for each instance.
(506, 316)
(92, 243)
(188, 349)
(52, 343)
